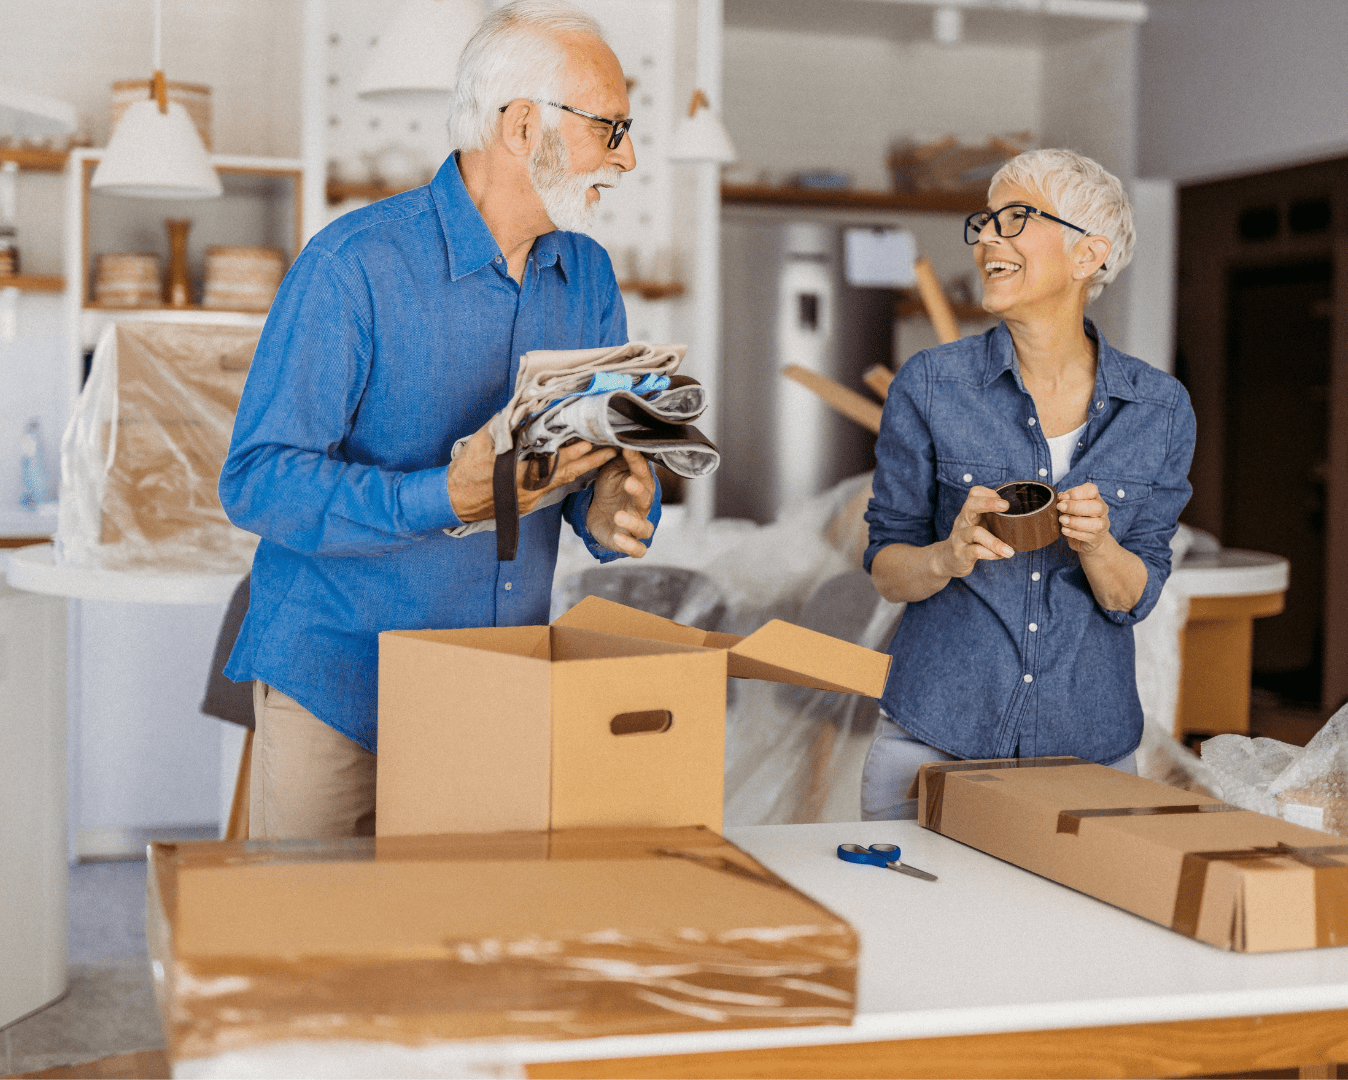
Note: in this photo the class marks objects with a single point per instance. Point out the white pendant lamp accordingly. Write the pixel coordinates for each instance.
(155, 152)
(415, 58)
(702, 136)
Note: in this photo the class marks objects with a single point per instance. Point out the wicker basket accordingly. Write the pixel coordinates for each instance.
(128, 279)
(193, 97)
(242, 278)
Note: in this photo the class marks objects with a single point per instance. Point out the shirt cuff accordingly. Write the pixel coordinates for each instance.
(424, 500)
(580, 521)
(1151, 592)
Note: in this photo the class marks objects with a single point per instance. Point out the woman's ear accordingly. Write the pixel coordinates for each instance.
(1091, 253)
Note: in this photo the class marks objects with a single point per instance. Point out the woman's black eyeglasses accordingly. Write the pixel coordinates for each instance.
(1020, 213)
(615, 136)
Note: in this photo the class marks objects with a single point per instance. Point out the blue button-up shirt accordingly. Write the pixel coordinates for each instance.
(397, 331)
(1018, 657)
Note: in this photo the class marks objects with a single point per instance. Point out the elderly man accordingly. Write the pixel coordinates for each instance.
(397, 333)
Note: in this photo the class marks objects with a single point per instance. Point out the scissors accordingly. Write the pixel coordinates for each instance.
(886, 855)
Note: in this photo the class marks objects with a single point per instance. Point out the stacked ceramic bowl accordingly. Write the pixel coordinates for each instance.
(128, 279)
(242, 278)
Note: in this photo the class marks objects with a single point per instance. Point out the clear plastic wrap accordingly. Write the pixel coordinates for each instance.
(141, 457)
(485, 937)
(1306, 786)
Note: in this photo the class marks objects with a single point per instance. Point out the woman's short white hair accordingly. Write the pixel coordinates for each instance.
(1083, 192)
(513, 54)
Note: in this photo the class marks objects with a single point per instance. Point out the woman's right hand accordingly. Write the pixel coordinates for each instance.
(968, 541)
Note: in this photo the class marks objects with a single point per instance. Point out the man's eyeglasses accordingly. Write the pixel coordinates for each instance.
(619, 127)
(1017, 214)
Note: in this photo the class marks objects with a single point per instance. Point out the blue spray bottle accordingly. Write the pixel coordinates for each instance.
(33, 467)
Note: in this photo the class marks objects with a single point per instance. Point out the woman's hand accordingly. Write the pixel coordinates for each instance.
(968, 541)
(623, 493)
(1084, 517)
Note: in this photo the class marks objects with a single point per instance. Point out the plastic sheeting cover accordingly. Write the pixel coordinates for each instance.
(141, 457)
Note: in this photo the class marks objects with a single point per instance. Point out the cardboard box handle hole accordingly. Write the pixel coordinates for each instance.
(635, 723)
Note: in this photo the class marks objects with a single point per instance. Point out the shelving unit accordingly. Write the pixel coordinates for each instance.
(30, 158)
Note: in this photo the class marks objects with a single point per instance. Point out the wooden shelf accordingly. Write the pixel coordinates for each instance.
(341, 190)
(164, 307)
(33, 282)
(932, 202)
(49, 160)
(653, 290)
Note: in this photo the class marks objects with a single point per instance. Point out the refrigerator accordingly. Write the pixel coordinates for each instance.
(786, 300)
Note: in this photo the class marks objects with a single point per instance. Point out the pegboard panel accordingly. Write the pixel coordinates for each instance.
(634, 221)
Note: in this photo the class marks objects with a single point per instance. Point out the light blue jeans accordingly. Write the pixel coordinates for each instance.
(892, 765)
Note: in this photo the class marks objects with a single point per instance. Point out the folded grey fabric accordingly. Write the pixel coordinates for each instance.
(558, 401)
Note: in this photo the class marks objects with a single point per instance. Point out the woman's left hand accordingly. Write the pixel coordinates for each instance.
(1084, 518)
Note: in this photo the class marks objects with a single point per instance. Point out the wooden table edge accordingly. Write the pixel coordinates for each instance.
(1310, 1041)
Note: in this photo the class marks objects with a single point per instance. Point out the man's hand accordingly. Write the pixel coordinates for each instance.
(623, 494)
(968, 540)
(1084, 517)
(470, 475)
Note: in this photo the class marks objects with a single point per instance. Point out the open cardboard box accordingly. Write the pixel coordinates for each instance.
(1230, 877)
(608, 717)
(417, 940)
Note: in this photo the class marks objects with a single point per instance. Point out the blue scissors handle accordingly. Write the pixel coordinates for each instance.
(875, 855)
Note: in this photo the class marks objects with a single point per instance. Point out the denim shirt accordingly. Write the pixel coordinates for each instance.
(397, 331)
(1018, 658)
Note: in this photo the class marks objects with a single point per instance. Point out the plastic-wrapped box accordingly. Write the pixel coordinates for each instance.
(141, 457)
(526, 935)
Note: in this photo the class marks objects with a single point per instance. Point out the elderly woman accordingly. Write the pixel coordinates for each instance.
(1022, 654)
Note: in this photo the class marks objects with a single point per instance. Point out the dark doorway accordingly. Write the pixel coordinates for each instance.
(1277, 445)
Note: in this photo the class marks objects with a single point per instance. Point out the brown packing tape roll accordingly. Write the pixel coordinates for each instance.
(1031, 522)
(1069, 821)
(1331, 886)
(935, 772)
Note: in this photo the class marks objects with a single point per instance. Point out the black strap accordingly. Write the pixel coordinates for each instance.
(507, 506)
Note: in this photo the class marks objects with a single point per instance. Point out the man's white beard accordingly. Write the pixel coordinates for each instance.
(561, 191)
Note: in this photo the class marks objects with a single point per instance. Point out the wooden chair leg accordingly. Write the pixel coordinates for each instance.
(238, 809)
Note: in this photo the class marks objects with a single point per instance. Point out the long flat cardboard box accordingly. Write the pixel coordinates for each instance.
(1232, 878)
(522, 935)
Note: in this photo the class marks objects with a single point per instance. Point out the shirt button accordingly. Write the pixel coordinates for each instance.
(1043, 472)
(1032, 421)
(1099, 404)
(1029, 678)
(1119, 493)
(1034, 576)
(497, 259)
(968, 477)
(507, 586)
(1034, 627)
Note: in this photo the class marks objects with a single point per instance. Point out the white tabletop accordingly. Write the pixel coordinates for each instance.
(34, 569)
(1231, 572)
(987, 948)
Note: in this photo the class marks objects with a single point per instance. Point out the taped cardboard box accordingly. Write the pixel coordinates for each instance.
(1230, 877)
(608, 717)
(414, 940)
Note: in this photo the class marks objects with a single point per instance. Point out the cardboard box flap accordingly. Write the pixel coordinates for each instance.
(784, 653)
(596, 613)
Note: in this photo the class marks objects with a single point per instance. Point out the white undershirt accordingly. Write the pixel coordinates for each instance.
(1060, 449)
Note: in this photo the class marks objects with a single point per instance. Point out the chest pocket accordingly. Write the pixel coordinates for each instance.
(1124, 499)
(953, 481)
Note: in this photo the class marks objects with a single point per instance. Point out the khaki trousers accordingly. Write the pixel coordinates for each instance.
(308, 780)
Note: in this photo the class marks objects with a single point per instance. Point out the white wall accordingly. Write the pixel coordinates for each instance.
(1236, 86)
(796, 101)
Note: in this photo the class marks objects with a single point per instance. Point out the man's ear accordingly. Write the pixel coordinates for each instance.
(519, 124)
(1092, 252)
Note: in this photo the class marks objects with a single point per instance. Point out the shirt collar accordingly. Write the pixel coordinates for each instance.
(468, 242)
(1111, 376)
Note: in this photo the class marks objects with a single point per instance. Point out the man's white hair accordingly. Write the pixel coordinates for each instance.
(1083, 192)
(514, 54)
